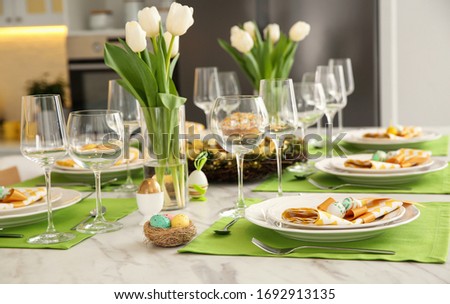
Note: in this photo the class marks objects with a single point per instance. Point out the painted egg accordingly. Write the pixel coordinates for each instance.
(159, 221)
(379, 156)
(149, 185)
(169, 216)
(180, 221)
(197, 184)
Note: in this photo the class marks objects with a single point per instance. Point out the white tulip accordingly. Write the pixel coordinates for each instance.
(179, 19)
(272, 30)
(250, 28)
(299, 31)
(234, 29)
(135, 36)
(149, 20)
(176, 43)
(242, 41)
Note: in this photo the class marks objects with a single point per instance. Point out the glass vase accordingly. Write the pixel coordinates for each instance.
(164, 153)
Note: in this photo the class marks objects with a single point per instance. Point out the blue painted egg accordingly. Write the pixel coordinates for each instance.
(159, 221)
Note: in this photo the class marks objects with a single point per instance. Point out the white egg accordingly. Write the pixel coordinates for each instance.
(197, 178)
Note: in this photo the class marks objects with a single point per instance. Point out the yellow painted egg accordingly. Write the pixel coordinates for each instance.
(180, 221)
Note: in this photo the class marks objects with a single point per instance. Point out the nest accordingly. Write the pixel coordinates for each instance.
(221, 165)
(169, 237)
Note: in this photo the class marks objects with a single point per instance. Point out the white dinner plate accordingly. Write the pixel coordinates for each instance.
(69, 197)
(256, 215)
(273, 215)
(339, 163)
(326, 166)
(356, 138)
(56, 195)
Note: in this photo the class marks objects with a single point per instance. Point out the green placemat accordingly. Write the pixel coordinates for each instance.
(424, 240)
(65, 219)
(438, 147)
(433, 183)
(66, 179)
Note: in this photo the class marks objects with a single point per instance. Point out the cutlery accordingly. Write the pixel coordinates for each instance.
(224, 230)
(324, 187)
(284, 251)
(92, 213)
(11, 235)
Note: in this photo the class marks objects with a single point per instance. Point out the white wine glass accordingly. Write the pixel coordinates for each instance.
(346, 64)
(43, 140)
(121, 100)
(229, 83)
(279, 98)
(310, 99)
(206, 89)
(239, 131)
(332, 80)
(96, 143)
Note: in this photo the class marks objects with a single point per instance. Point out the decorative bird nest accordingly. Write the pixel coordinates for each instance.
(221, 165)
(169, 237)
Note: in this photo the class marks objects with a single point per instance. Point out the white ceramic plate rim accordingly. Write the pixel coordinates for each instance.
(254, 214)
(326, 166)
(67, 170)
(56, 195)
(338, 163)
(273, 213)
(356, 137)
(69, 197)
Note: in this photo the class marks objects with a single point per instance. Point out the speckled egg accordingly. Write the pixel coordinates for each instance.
(159, 221)
(169, 216)
(180, 221)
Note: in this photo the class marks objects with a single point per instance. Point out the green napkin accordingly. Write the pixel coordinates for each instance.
(433, 183)
(438, 147)
(66, 178)
(424, 240)
(65, 219)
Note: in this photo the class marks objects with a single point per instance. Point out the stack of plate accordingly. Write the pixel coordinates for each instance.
(117, 171)
(335, 166)
(267, 214)
(36, 212)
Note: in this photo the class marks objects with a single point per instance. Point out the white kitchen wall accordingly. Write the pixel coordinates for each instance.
(415, 62)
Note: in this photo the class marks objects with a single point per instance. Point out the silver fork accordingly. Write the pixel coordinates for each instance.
(284, 251)
(324, 187)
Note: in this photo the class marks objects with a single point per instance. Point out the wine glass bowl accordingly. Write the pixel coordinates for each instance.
(43, 140)
(239, 124)
(96, 143)
(121, 100)
(279, 99)
(228, 83)
(206, 89)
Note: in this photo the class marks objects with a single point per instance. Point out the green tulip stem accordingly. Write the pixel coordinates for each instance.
(155, 46)
(168, 55)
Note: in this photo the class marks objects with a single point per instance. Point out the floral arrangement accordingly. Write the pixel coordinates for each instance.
(268, 56)
(147, 75)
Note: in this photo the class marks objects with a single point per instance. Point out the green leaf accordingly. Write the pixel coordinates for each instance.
(171, 101)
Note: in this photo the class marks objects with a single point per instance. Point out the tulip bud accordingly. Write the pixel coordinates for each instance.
(250, 28)
(234, 29)
(149, 20)
(272, 31)
(176, 42)
(179, 19)
(135, 36)
(299, 31)
(242, 41)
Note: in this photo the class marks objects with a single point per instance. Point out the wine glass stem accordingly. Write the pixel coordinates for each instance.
(278, 152)
(240, 204)
(129, 180)
(340, 120)
(48, 187)
(207, 113)
(304, 150)
(98, 196)
(328, 145)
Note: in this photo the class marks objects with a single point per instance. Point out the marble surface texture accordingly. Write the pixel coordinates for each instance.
(123, 257)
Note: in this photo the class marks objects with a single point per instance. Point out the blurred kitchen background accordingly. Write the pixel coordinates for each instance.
(400, 51)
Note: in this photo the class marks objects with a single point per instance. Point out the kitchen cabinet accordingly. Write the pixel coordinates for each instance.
(31, 12)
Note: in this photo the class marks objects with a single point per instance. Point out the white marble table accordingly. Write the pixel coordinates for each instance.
(122, 257)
